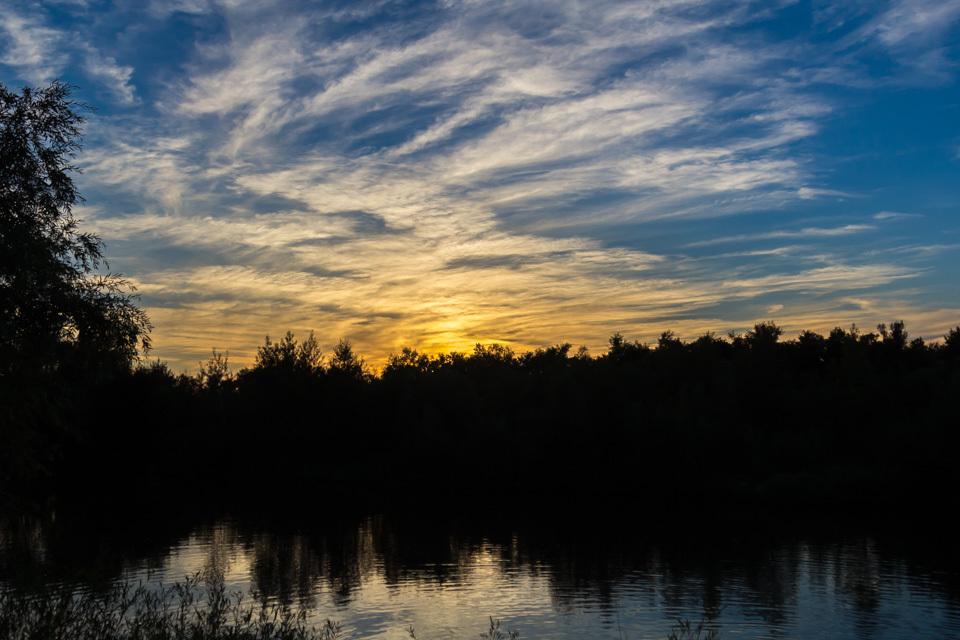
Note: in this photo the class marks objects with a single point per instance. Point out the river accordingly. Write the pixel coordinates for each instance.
(586, 575)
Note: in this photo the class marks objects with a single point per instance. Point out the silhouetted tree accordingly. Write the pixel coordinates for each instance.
(896, 337)
(215, 374)
(490, 355)
(763, 335)
(951, 344)
(409, 362)
(710, 342)
(811, 349)
(346, 362)
(54, 303)
(543, 360)
(622, 351)
(668, 340)
(290, 356)
(840, 342)
(65, 326)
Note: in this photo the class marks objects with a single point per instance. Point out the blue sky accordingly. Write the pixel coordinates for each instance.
(436, 174)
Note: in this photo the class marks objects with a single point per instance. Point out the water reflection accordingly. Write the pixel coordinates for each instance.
(379, 575)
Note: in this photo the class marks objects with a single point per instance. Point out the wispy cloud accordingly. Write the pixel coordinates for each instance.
(928, 249)
(807, 232)
(832, 278)
(915, 23)
(808, 193)
(896, 215)
(114, 76)
(914, 33)
(41, 51)
(30, 47)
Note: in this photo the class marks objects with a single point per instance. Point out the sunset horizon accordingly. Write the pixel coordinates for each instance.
(438, 175)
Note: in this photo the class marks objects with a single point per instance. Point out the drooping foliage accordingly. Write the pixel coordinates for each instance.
(55, 304)
(65, 322)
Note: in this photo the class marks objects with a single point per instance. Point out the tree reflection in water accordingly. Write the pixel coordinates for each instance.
(378, 573)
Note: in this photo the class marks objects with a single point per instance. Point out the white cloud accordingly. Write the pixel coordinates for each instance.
(895, 215)
(162, 9)
(914, 32)
(809, 193)
(156, 171)
(31, 48)
(116, 77)
(826, 279)
(927, 250)
(42, 53)
(916, 22)
(808, 232)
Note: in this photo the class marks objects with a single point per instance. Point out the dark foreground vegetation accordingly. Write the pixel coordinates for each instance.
(197, 609)
(850, 418)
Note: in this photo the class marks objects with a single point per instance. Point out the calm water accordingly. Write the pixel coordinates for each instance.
(379, 575)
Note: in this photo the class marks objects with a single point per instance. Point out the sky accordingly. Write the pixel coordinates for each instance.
(438, 174)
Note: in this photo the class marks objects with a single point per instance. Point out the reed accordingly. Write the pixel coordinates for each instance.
(685, 630)
(199, 608)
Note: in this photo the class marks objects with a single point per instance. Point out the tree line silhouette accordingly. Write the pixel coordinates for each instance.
(847, 417)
